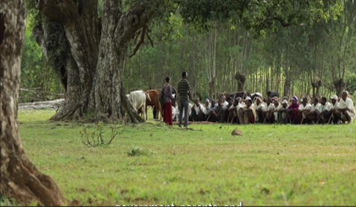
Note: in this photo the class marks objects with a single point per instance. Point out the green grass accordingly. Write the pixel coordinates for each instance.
(268, 165)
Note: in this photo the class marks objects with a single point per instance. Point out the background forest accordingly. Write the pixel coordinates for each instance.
(314, 60)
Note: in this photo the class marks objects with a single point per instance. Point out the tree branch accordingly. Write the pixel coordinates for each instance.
(141, 41)
(133, 20)
(149, 38)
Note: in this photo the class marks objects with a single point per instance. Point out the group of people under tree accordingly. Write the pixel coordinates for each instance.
(246, 108)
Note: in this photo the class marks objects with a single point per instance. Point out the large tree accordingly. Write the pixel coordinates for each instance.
(87, 44)
(20, 179)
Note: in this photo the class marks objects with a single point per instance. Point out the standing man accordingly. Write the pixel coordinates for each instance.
(183, 92)
(167, 98)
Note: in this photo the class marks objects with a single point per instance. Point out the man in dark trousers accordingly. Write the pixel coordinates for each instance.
(183, 92)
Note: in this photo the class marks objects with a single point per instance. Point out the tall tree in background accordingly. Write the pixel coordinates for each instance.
(87, 45)
(344, 42)
(20, 179)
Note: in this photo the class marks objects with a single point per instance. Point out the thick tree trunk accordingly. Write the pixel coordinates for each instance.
(241, 79)
(316, 87)
(95, 54)
(110, 98)
(340, 86)
(212, 87)
(287, 84)
(20, 179)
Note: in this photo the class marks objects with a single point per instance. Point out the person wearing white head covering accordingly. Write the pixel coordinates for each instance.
(283, 112)
(276, 109)
(261, 106)
(207, 107)
(333, 110)
(247, 114)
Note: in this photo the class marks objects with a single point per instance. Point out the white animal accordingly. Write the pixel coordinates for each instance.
(138, 101)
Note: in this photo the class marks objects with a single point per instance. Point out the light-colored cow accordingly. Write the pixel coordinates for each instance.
(138, 101)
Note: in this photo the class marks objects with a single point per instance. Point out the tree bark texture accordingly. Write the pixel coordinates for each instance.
(93, 54)
(287, 84)
(20, 179)
(241, 79)
(340, 86)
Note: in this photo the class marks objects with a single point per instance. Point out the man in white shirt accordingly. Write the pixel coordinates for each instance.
(283, 112)
(277, 106)
(226, 109)
(269, 111)
(240, 105)
(346, 109)
(207, 107)
(314, 110)
(304, 109)
(224, 103)
(198, 111)
(335, 116)
(260, 107)
(323, 113)
(247, 114)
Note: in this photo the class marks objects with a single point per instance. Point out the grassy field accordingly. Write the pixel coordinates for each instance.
(268, 165)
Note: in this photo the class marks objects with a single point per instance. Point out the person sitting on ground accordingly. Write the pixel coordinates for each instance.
(241, 104)
(346, 108)
(260, 107)
(198, 111)
(211, 107)
(224, 102)
(323, 113)
(304, 110)
(207, 107)
(226, 107)
(233, 111)
(293, 110)
(269, 112)
(335, 116)
(248, 112)
(217, 113)
(277, 106)
(314, 110)
(283, 115)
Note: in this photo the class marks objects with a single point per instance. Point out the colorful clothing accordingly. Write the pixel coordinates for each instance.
(294, 114)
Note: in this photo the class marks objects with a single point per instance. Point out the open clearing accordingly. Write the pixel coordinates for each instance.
(268, 165)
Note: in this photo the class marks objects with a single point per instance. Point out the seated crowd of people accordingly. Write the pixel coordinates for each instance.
(257, 109)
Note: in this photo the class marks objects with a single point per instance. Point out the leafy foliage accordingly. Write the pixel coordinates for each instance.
(252, 38)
